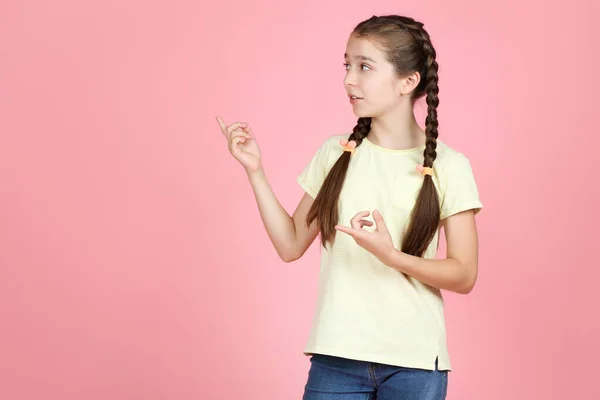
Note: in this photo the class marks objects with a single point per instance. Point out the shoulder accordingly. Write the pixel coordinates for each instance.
(332, 142)
(448, 158)
(330, 147)
(456, 181)
(326, 152)
(450, 163)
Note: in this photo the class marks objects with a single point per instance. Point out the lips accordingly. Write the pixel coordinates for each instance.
(354, 99)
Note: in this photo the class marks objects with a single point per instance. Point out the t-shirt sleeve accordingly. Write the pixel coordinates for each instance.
(314, 173)
(460, 189)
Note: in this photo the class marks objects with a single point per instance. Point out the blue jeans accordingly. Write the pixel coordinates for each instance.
(335, 378)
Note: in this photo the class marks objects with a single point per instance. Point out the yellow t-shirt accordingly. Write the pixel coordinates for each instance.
(366, 310)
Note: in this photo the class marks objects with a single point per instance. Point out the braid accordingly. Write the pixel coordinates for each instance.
(429, 79)
(325, 207)
(426, 213)
(361, 130)
(432, 90)
(408, 47)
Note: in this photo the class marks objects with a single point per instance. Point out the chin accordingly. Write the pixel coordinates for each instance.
(366, 112)
(362, 114)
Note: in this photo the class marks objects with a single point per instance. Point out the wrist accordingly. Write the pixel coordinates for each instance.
(253, 175)
(397, 260)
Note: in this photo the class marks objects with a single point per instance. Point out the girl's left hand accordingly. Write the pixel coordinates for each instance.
(379, 242)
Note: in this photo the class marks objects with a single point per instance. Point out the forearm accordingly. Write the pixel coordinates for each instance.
(276, 220)
(448, 273)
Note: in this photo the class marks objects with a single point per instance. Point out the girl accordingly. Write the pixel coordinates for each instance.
(378, 198)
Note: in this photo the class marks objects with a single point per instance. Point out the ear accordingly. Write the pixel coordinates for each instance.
(408, 84)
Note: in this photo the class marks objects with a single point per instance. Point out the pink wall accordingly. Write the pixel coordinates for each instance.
(133, 262)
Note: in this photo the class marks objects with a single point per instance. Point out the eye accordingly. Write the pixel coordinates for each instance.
(362, 66)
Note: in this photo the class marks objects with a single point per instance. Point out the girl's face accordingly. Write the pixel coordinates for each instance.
(371, 78)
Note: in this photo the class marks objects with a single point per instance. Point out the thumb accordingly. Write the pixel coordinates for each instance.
(246, 128)
(379, 221)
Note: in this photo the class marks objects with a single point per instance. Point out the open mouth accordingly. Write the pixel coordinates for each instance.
(354, 99)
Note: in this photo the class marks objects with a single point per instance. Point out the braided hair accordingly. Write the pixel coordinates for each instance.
(408, 47)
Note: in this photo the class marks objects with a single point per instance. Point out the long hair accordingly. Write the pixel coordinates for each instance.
(408, 47)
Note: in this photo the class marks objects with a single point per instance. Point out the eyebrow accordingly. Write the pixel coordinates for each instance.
(361, 57)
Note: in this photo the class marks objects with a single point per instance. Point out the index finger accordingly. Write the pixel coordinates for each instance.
(355, 233)
(222, 125)
(355, 221)
(360, 215)
(345, 229)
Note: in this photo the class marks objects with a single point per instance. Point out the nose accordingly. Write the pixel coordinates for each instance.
(350, 78)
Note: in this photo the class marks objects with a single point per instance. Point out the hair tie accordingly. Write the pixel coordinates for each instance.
(425, 170)
(348, 145)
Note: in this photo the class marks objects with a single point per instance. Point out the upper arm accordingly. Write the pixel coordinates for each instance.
(462, 241)
(311, 179)
(305, 235)
(460, 203)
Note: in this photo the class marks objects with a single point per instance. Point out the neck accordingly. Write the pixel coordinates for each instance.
(397, 130)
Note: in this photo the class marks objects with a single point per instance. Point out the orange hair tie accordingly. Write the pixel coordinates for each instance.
(425, 170)
(348, 145)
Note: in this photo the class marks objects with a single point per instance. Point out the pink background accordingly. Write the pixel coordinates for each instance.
(133, 261)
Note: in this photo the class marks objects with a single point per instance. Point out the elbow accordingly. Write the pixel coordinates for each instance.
(465, 289)
(292, 252)
(468, 279)
(467, 286)
(289, 256)
(286, 258)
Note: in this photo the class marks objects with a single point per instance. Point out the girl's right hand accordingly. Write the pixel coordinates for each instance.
(242, 144)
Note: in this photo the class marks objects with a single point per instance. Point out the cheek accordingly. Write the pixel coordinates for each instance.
(378, 87)
(381, 93)
(388, 89)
